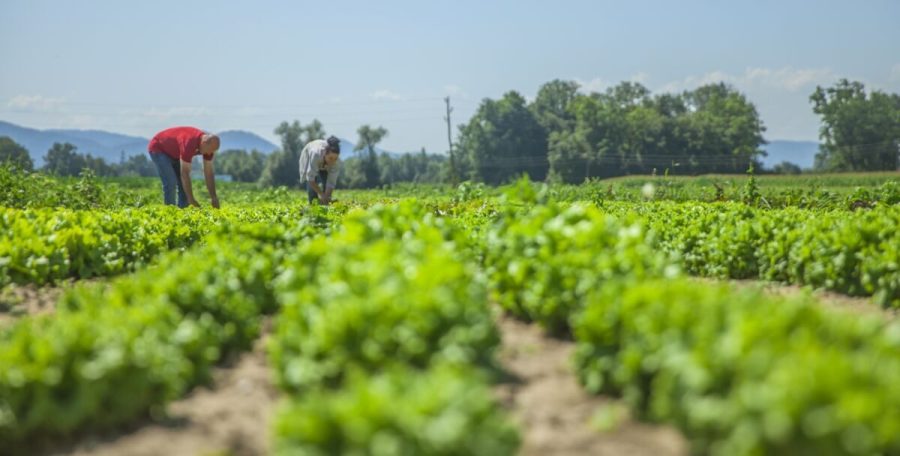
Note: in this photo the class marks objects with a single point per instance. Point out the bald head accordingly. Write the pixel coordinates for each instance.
(209, 144)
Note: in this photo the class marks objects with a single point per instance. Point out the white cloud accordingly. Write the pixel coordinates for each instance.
(178, 112)
(250, 111)
(640, 77)
(384, 94)
(594, 85)
(81, 121)
(35, 103)
(789, 78)
(600, 84)
(895, 72)
(786, 78)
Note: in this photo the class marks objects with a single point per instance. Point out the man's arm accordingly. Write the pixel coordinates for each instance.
(186, 183)
(209, 175)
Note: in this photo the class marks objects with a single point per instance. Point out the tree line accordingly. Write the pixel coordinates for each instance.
(567, 136)
(367, 169)
(63, 159)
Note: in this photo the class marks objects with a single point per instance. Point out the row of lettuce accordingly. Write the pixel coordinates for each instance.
(384, 342)
(855, 253)
(111, 354)
(737, 371)
(43, 246)
(852, 253)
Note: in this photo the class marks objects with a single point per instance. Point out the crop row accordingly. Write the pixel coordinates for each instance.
(113, 353)
(45, 245)
(853, 253)
(737, 371)
(385, 343)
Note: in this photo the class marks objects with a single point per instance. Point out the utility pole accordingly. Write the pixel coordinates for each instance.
(453, 177)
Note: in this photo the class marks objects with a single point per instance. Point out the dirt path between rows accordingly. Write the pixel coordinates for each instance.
(20, 300)
(232, 418)
(859, 305)
(556, 415)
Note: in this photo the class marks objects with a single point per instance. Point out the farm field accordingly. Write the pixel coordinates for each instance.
(640, 315)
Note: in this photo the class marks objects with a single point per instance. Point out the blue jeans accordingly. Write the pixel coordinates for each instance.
(170, 173)
(321, 179)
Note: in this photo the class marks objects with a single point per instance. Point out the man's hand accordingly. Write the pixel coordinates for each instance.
(215, 202)
(193, 202)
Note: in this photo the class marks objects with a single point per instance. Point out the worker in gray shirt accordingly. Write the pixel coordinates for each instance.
(320, 164)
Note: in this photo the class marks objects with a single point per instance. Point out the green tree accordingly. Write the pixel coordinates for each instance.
(627, 94)
(723, 130)
(860, 131)
(98, 165)
(313, 131)
(62, 160)
(352, 175)
(570, 156)
(551, 105)
(283, 166)
(368, 138)
(503, 140)
(14, 154)
(786, 167)
(241, 165)
(592, 146)
(390, 170)
(136, 165)
(626, 130)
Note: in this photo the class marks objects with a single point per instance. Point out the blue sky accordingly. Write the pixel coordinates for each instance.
(137, 67)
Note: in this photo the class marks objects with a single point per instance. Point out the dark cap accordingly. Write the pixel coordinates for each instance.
(334, 145)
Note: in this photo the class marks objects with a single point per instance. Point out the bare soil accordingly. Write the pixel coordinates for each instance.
(859, 305)
(20, 300)
(556, 415)
(17, 300)
(231, 418)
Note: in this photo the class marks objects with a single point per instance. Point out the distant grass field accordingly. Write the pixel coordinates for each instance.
(806, 190)
(834, 182)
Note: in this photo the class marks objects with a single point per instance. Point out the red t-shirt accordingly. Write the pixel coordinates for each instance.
(178, 142)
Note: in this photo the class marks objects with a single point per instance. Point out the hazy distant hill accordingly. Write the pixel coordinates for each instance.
(110, 146)
(801, 153)
(97, 143)
(239, 139)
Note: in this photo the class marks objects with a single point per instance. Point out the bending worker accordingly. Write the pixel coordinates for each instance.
(172, 151)
(320, 164)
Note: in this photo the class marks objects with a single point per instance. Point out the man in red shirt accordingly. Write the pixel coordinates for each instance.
(172, 150)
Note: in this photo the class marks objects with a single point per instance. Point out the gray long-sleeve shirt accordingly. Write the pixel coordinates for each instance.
(312, 160)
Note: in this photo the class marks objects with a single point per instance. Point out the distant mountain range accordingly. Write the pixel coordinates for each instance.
(111, 146)
(800, 153)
